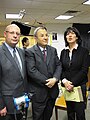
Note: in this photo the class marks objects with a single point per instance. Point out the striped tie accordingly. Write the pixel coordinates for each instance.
(16, 60)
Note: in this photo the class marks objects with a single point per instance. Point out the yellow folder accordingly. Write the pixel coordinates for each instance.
(75, 95)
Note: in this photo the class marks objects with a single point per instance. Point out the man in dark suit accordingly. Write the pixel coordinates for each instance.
(12, 78)
(43, 75)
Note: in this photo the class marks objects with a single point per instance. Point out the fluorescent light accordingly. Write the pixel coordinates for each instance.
(64, 17)
(87, 2)
(26, 22)
(14, 16)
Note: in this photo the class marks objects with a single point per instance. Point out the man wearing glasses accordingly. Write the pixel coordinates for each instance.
(12, 74)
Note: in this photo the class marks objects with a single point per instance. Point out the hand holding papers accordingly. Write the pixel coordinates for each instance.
(75, 95)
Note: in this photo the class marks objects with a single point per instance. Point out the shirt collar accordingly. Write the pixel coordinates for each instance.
(75, 47)
(9, 47)
(41, 48)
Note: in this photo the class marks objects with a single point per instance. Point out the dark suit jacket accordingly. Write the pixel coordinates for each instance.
(75, 70)
(12, 83)
(39, 72)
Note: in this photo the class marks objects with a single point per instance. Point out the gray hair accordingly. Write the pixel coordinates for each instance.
(38, 28)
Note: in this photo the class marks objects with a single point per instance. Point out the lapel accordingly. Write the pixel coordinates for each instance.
(39, 53)
(48, 54)
(21, 56)
(9, 56)
(67, 57)
(22, 60)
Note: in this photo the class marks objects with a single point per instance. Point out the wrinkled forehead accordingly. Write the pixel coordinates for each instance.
(12, 27)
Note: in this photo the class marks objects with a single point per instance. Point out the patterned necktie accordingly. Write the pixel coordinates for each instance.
(16, 60)
(44, 54)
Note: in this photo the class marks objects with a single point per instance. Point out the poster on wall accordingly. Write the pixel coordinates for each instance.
(54, 36)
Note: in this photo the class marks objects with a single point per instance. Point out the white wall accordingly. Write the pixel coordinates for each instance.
(59, 29)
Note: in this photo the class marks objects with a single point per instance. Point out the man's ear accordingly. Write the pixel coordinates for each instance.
(35, 37)
(4, 33)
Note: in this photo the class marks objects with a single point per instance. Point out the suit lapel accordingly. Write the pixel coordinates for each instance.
(43, 64)
(9, 56)
(48, 54)
(22, 60)
(38, 52)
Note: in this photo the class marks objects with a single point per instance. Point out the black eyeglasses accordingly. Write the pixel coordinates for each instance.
(12, 33)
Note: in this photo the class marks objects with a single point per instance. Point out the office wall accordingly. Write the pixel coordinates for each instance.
(2, 28)
(59, 29)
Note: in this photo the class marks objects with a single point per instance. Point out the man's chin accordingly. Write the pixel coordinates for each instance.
(15, 43)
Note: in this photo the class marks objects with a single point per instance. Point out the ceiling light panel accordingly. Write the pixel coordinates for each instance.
(64, 17)
(87, 2)
(14, 16)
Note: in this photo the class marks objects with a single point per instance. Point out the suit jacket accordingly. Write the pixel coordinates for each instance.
(12, 83)
(76, 69)
(39, 71)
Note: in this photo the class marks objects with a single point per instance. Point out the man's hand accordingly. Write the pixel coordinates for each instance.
(68, 86)
(3, 112)
(51, 82)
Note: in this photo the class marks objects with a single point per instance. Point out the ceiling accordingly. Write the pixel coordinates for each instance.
(44, 11)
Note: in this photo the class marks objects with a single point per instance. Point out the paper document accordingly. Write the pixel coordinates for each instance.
(75, 95)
